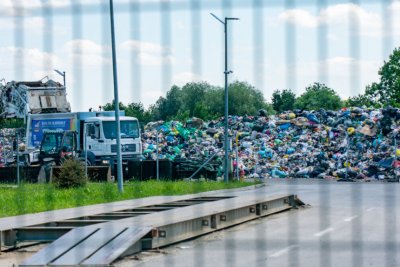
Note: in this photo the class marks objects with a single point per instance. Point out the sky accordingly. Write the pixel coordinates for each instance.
(272, 47)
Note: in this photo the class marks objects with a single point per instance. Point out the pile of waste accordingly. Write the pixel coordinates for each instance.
(17, 98)
(8, 144)
(349, 144)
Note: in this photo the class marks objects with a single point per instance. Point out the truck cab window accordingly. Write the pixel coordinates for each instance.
(51, 143)
(68, 144)
(129, 129)
(93, 131)
(97, 131)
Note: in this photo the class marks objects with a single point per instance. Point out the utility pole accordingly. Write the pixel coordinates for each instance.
(62, 73)
(116, 103)
(226, 72)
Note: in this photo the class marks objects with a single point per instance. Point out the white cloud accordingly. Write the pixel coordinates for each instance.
(299, 17)
(395, 6)
(25, 7)
(32, 58)
(29, 24)
(338, 73)
(17, 8)
(149, 54)
(83, 47)
(145, 47)
(341, 15)
(27, 64)
(150, 96)
(186, 77)
(87, 52)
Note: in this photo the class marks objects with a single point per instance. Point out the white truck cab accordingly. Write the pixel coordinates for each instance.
(100, 135)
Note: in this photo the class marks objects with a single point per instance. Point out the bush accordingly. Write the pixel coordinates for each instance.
(71, 175)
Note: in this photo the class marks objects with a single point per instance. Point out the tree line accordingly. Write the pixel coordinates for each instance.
(206, 101)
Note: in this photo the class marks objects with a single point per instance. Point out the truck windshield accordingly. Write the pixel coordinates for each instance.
(51, 143)
(129, 129)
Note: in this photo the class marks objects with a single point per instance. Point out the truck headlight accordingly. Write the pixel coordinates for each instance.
(105, 162)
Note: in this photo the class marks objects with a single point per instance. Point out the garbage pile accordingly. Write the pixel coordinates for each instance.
(8, 145)
(349, 144)
(18, 98)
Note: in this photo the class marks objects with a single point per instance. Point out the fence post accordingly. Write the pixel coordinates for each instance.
(17, 148)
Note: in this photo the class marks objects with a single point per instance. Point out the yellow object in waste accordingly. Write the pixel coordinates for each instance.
(351, 130)
(397, 152)
(292, 115)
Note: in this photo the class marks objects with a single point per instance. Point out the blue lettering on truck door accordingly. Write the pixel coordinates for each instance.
(39, 126)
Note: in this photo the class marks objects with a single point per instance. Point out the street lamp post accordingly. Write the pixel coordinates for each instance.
(157, 159)
(62, 73)
(116, 102)
(226, 72)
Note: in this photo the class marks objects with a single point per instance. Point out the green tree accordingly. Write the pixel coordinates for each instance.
(110, 106)
(71, 175)
(133, 110)
(387, 91)
(245, 99)
(214, 101)
(283, 100)
(199, 99)
(193, 95)
(168, 107)
(359, 101)
(318, 96)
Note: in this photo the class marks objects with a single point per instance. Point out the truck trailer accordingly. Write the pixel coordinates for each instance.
(96, 132)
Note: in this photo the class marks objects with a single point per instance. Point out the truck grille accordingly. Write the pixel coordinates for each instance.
(124, 148)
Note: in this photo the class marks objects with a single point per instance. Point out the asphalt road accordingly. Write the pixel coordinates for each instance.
(346, 224)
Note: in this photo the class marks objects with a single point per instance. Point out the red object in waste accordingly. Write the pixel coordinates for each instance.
(396, 164)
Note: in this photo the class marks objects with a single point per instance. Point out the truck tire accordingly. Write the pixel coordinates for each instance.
(91, 158)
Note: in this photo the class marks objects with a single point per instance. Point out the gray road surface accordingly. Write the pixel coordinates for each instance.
(346, 224)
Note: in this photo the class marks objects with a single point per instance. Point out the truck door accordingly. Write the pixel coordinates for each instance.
(92, 136)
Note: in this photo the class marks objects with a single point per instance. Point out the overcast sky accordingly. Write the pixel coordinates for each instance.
(274, 47)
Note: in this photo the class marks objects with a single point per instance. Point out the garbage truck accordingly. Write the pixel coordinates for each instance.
(96, 134)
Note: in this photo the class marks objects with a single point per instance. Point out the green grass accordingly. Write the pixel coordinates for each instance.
(31, 198)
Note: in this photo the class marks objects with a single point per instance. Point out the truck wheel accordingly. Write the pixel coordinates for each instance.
(90, 160)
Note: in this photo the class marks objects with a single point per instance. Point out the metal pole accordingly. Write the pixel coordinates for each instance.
(226, 177)
(157, 162)
(65, 85)
(226, 161)
(85, 147)
(61, 74)
(116, 102)
(347, 155)
(395, 156)
(237, 162)
(4, 153)
(18, 180)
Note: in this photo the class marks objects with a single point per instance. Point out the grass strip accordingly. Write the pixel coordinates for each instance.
(32, 198)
